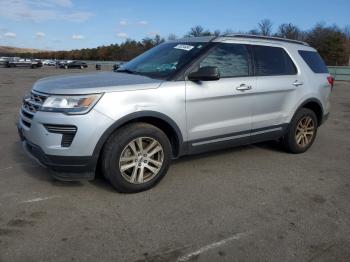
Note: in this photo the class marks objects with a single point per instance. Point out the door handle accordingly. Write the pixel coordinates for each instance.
(297, 83)
(244, 87)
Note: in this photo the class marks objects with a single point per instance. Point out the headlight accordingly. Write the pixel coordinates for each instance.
(79, 104)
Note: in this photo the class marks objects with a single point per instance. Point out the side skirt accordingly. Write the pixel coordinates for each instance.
(235, 139)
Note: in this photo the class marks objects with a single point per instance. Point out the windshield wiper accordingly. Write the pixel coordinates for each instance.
(125, 70)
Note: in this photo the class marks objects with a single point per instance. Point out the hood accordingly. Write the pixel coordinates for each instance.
(89, 83)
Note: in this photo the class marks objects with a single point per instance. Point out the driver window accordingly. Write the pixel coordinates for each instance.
(231, 59)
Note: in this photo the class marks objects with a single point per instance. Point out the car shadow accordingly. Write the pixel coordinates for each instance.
(37, 171)
(275, 146)
(101, 182)
(34, 169)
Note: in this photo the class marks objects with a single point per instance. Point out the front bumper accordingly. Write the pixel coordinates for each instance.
(89, 128)
(62, 167)
(73, 162)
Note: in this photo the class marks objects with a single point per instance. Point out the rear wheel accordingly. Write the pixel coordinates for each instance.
(65, 67)
(302, 131)
(136, 157)
(81, 67)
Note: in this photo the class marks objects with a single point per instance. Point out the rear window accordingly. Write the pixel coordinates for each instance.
(314, 61)
(270, 61)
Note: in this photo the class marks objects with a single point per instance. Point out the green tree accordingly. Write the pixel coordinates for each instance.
(330, 43)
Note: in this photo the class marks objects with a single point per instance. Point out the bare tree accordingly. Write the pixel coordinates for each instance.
(157, 40)
(197, 31)
(289, 31)
(265, 27)
(347, 31)
(228, 31)
(254, 32)
(217, 32)
(172, 36)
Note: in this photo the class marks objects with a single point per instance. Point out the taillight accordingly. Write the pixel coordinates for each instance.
(331, 80)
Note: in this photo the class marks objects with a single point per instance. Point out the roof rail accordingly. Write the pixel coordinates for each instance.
(267, 38)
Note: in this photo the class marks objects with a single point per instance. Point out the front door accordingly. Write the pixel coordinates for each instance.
(220, 111)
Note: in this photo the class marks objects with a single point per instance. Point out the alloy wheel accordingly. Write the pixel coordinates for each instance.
(305, 131)
(141, 160)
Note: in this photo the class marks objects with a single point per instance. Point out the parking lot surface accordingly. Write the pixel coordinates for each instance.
(252, 203)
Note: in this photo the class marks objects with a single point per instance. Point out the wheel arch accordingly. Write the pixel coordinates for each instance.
(315, 105)
(162, 121)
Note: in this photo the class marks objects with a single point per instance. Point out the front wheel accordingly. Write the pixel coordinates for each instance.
(302, 131)
(136, 157)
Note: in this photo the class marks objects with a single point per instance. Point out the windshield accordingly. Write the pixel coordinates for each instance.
(163, 60)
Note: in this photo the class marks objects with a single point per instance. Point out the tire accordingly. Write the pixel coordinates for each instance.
(295, 141)
(65, 67)
(34, 66)
(118, 146)
(81, 67)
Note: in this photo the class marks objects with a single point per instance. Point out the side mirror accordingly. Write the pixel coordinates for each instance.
(206, 73)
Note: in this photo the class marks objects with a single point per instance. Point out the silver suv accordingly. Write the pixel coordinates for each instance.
(182, 97)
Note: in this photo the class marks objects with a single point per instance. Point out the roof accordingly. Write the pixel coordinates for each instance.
(239, 36)
(194, 39)
(268, 38)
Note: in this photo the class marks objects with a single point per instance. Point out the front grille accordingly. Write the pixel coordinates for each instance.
(26, 114)
(61, 129)
(27, 124)
(31, 104)
(34, 101)
(68, 133)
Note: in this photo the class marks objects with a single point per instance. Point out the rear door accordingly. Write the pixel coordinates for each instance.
(278, 81)
(221, 111)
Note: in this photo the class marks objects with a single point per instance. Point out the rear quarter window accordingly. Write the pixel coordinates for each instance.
(314, 61)
(272, 61)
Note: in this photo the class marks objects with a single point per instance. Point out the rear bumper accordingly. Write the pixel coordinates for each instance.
(66, 168)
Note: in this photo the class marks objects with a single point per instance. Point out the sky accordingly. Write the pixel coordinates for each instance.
(75, 24)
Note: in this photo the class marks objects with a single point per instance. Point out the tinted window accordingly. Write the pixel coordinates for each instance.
(270, 60)
(231, 59)
(314, 61)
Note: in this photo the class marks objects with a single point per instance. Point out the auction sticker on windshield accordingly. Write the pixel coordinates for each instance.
(184, 47)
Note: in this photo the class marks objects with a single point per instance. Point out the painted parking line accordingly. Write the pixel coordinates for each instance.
(214, 245)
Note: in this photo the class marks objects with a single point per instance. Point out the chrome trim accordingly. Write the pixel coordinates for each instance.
(23, 117)
(266, 131)
(27, 111)
(236, 137)
(30, 105)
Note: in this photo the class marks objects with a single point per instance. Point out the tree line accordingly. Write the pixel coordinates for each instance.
(332, 42)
